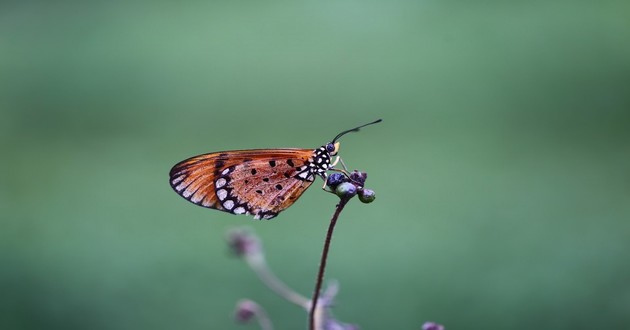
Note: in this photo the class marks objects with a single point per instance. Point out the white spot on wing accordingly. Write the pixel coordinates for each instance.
(228, 204)
(239, 210)
(221, 193)
(196, 198)
(177, 180)
(226, 171)
(220, 183)
(303, 175)
(187, 193)
(181, 186)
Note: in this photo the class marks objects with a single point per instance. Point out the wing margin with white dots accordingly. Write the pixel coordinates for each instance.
(204, 180)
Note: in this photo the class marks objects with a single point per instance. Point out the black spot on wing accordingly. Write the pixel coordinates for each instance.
(218, 165)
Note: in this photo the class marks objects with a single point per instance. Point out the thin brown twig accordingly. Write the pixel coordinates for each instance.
(322, 264)
(259, 265)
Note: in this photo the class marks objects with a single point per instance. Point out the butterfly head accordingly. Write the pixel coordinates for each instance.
(332, 148)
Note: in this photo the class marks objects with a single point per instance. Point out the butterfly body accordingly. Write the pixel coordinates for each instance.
(258, 182)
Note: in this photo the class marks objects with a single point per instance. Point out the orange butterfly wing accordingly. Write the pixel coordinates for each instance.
(259, 182)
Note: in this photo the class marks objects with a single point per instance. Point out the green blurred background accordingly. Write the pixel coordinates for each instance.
(502, 167)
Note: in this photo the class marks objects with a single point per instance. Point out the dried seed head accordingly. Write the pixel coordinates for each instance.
(245, 311)
(243, 242)
(432, 326)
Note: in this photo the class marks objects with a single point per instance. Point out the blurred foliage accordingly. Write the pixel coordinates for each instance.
(501, 168)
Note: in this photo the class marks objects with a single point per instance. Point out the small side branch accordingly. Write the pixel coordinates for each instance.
(258, 264)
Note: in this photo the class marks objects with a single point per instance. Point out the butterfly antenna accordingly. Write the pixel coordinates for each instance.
(356, 129)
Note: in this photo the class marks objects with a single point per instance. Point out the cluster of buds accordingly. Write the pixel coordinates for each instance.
(245, 244)
(347, 186)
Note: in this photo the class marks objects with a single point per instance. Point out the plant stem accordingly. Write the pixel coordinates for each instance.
(259, 265)
(263, 320)
(322, 264)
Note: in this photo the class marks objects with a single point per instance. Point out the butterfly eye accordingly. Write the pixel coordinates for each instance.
(330, 147)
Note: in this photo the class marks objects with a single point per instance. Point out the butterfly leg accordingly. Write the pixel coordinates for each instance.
(331, 168)
(343, 165)
(335, 162)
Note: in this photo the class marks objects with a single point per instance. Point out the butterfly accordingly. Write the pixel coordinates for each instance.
(258, 182)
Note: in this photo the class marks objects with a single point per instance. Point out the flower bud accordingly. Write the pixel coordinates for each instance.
(432, 326)
(358, 177)
(335, 179)
(367, 195)
(246, 310)
(336, 325)
(242, 242)
(346, 190)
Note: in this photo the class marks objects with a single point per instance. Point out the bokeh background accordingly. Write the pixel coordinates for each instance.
(502, 166)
